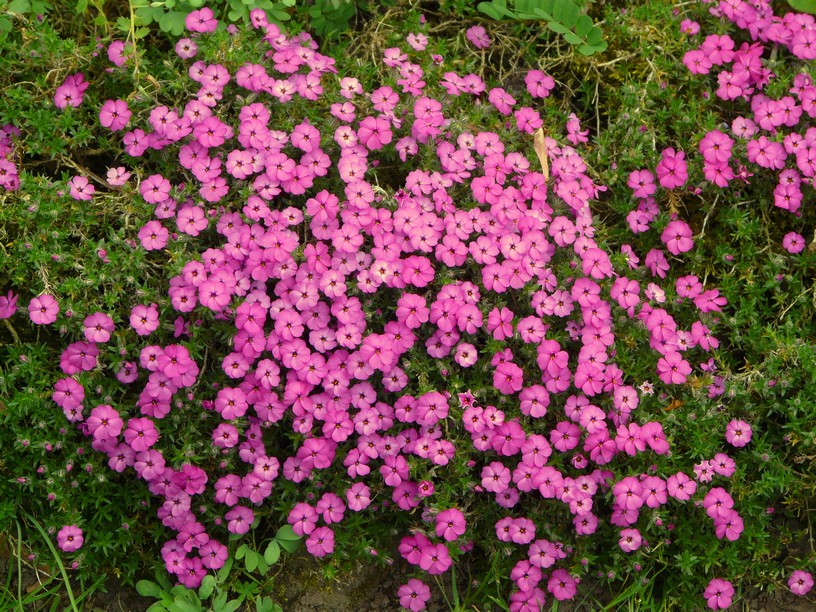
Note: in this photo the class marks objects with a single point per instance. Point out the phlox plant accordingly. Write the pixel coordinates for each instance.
(382, 309)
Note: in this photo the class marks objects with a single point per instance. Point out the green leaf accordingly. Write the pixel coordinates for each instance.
(184, 605)
(251, 560)
(496, 10)
(594, 37)
(242, 550)
(219, 601)
(289, 546)
(146, 588)
(5, 25)
(20, 7)
(584, 25)
(572, 38)
(157, 607)
(207, 586)
(225, 570)
(286, 533)
(230, 606)
(272, 553)
(557, 27)
(81, 6)
(805, 6)
(567, 13)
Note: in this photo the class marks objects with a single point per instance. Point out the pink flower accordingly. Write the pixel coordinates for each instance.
(202, 21)
(8, 305)
(104, 423)
(153, 236)
(71, 92)
(677, 237)
(81, 188)
(98, 327)
(144, 319)
(320, 542)
(718, 594)
(69, 538)
(450, 524)
(673, 369)
(539, 85)
(630, 540)
(478, 37)
(118, 176)
(239, 519)
(43, 309)
(800, 582)
(414, 595)
(672, 169)
(435, 559)
(114, 115)
(738, 433)
(793, 243)
(562, 585)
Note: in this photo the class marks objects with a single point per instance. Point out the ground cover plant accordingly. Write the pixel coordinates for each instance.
(533, 324)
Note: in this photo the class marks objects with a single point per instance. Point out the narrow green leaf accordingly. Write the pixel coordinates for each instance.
(81, 6)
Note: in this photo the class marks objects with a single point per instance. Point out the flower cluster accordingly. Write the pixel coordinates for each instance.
(766, 137)
(330, 285)
(9, 177)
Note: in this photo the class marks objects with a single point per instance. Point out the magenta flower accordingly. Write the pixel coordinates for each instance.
(718, 594)
(153, 236)
(414, 595)
(104, 423)
(71, 92)
(68, 393)
(672, 170)
(114, 115)
(8, 305)
(673, 369)
(98, 327)
(539, 85)
(630, 540)
(793, 243)
(435, 559)
(450, 524)
(43, 309)
(562, 585)
(202, 21)
(117, 176)
(144, 319)
(478, 37)
(800, 582)
(320, 542)
(239, 519)
(738, 433)
(69, 538)
(81, 188)
(677, 237)
(140, 434)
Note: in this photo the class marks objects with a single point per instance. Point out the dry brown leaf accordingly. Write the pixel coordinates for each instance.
(540, 147)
